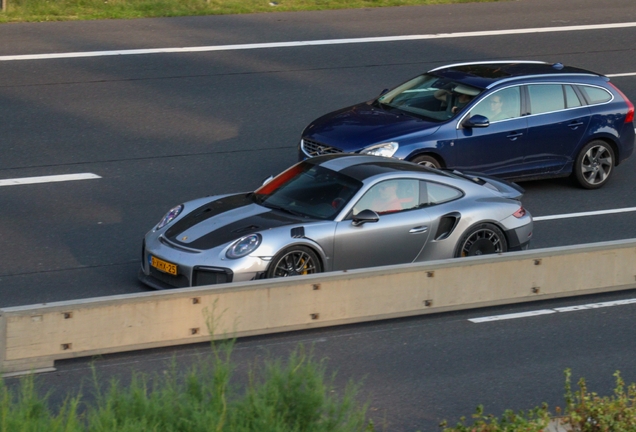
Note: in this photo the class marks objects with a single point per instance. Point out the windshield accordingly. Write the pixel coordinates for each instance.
(430, 97)
(308, 190)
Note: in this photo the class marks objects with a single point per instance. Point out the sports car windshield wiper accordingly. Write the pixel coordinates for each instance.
(283, 209)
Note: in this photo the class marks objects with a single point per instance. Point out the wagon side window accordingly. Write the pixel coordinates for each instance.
(501, 105)
(595, 95)
(545, 98)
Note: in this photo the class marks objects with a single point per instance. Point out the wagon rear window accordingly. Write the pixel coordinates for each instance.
(596, 95)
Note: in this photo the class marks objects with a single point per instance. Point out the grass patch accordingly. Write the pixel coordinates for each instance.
(65, 10)
(295, 395)
(584, 411)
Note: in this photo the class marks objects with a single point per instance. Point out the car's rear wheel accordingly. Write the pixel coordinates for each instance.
(482, 239)
(594, 164)
(294, 261)
(427, 161)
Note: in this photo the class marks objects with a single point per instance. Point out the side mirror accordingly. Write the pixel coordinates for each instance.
(383, 92)
(476, 121)
(365, 216)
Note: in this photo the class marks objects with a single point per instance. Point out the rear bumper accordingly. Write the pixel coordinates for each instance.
(519, 238)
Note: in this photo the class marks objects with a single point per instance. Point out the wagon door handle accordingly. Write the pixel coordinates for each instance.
(514, 135)
(418, 229)
(575, 124)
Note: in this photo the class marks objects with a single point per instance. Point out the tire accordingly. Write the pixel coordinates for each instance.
(482, 239)
(427, 161)
(294, 261)
(594, 165)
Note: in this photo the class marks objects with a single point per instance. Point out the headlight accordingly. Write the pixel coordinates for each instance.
(244, 246)
(169, 217)
(385, 149)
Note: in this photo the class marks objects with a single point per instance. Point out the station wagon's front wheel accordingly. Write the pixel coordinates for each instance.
(594, 164)
(294, 261)
(482, 239)
(427, 161)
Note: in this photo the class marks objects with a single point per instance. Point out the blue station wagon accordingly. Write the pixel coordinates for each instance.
(519, 120)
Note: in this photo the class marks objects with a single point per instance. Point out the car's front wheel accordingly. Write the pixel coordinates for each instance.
(294, 261)
(594, 164)
(482, 239)
(427, 161)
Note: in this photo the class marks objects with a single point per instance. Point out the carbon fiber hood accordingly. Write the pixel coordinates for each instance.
(226, 219)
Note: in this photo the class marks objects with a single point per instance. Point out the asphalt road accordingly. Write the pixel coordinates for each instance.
(163, 128)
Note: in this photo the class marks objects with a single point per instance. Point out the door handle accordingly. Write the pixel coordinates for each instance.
(418, 229)
(575, 124)
(514, 135)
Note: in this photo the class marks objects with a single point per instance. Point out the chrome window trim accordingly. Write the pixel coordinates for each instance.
(600, 87)
(459, 122)
(573, 108)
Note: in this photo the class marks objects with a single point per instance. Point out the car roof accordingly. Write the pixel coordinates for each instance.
(487, 74)
(362, 167)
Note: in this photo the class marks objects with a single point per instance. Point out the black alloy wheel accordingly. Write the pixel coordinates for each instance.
(294, 261)
(482, 239)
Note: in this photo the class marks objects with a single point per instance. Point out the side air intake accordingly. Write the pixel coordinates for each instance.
(298, 232)
(446, 225)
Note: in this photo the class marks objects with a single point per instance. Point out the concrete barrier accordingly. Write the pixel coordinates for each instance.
(33, 337)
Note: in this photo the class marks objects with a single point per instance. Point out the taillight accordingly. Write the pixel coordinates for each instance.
(630, 106)
(519, 213)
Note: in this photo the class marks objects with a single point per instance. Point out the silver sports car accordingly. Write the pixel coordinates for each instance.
(331, 213)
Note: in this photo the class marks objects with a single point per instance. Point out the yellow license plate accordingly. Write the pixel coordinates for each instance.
(163, 266)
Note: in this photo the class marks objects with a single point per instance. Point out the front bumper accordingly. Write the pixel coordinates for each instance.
(195, 269)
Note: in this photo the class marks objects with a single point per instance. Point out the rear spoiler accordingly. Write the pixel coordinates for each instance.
(506, 188)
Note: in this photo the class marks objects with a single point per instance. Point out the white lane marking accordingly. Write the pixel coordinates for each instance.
(512, 316)
(555, 310)
(596, 305)
(621, 75)
(315, 42)
(583, 214)
(48, 179)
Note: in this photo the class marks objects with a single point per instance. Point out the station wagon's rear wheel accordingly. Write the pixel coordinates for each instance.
(294, 261)
(594, 164)
(482, 239)
(427, 161)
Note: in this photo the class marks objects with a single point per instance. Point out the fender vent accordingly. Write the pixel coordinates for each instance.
(447, 224)
(298, 232)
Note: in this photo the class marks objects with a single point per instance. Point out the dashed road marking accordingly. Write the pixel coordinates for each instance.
(540, 312)
(583, 214)
(48, 179)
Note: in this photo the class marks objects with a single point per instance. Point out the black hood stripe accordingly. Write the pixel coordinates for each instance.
(233, 231)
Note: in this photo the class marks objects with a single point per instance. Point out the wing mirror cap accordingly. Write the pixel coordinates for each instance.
(476, 121)
(365, 216)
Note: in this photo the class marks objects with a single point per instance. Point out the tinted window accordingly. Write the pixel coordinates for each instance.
(501, 105)
(596, 95)
(429, 96)
(435, 193)
(571, 98)
(546, 98)
(390, 196)
(308, 189)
